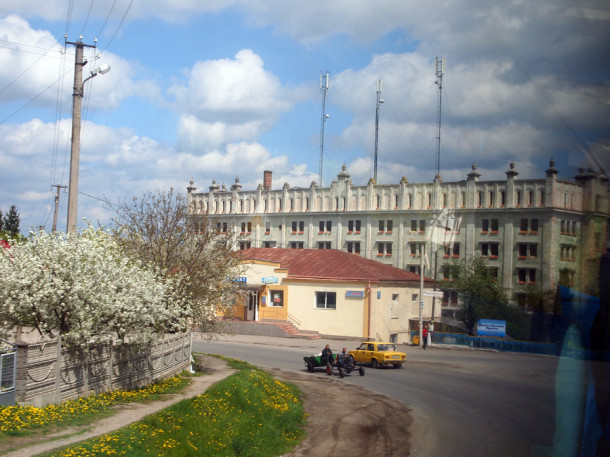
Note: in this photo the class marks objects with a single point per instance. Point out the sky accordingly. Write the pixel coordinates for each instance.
(226, 89)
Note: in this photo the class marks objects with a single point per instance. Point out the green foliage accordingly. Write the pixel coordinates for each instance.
(9, 225)
(247, 414)
(479, 293)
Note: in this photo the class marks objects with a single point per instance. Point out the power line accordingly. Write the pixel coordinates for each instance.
(118, 27)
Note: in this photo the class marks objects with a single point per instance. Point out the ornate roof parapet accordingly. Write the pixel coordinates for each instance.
(237, 185)
(474, 175)
(511, 173)
(551, 171)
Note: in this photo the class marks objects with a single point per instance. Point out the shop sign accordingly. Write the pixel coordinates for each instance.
(270, 280)
(354, 294)
(490, 327)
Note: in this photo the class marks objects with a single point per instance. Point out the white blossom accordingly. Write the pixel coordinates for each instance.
(80, 286)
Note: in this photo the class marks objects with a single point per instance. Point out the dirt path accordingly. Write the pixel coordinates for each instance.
(343, 419)
(348, 420)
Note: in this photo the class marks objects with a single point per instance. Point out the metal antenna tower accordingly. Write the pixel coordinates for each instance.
(379, 102)
(440, 71)
(324, 80)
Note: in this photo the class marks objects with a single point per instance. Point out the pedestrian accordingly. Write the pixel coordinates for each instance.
(327, 358)
(425, 335)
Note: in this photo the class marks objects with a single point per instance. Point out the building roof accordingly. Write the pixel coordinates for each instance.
(330, 264)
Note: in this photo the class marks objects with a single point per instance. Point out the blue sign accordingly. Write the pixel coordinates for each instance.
(354, 293)
(241, 279)
(270, 280)
(490, 327)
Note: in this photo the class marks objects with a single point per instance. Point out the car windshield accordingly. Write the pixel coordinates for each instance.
(386, 347)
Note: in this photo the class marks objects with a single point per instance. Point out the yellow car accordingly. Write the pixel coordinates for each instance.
(378, 353)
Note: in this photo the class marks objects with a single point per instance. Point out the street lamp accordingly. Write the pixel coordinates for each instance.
(77, 97)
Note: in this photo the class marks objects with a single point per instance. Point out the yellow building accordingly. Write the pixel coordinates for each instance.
(334, 293)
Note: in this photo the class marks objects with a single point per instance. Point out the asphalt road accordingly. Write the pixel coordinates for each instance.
(465, 402)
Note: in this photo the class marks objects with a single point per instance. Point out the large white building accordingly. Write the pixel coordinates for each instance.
(536, 232)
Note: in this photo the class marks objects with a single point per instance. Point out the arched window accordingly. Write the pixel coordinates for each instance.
(479, 199)
(518, 198)
(502, 198)
(490, 198)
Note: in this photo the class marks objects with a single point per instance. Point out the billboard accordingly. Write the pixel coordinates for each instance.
(490, 327)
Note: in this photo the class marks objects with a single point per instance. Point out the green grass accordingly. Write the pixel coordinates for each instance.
(248, 414)
(28, 420)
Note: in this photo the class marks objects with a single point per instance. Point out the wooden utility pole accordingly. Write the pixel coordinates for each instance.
(77, 99)
(56, 206)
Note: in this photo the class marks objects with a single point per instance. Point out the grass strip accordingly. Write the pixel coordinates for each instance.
(248, 414)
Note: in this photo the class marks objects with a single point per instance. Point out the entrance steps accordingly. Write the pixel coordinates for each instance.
(272, 327)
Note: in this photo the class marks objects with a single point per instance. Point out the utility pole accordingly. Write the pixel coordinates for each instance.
(379, 102)
(77, 98)
(440, 71)
(56, 206)
(324, 80)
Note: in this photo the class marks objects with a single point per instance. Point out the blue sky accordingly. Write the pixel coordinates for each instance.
(227, 88)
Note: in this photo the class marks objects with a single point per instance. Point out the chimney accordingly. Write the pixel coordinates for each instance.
(267, 178)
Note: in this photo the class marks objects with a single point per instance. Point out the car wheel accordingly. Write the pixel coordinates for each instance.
(361, 371)
(310, 367)
(374, 363)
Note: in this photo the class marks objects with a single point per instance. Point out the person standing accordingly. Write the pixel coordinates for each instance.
(425, 336)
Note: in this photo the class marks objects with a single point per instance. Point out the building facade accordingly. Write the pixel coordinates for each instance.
(533, 233)
(334, 293)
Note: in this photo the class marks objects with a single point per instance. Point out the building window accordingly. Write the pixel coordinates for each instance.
(534, 226)
(415, 249)
(353, 247)
(298, 227)
(485, 226)
(527, 250)
(422, 226)
(528, 226)
(566, 277)
(326, 300)
(479, 199)
(245, 245)
(414, 226)
(326, 226)
(502, 198)
(324, 245)
(385, 226)
(568, 253)
(267, 227)
(353, 226)
(296, 245)
(269, 244)
(452, 250)
(526, 276)
(490, 198)
(410, 201)
(489, 250)
(277, 298)
(530, 198)
(384, 249)
(518, 198)
(414, 269)
(493, 272)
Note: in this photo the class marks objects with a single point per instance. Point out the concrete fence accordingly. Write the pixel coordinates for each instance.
(48, 373)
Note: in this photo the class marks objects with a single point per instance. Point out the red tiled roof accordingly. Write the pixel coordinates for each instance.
(329, 264)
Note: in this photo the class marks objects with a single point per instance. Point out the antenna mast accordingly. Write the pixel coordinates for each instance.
(324, 80)
(440, 71)
(379, 102)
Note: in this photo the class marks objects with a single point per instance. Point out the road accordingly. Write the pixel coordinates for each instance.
(465, 402)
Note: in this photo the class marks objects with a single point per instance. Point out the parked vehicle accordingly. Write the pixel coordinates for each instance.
(379, 353)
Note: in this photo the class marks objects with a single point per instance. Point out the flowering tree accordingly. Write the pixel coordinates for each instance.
(83, 288)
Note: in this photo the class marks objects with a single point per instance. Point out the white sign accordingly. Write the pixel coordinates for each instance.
(433, 293)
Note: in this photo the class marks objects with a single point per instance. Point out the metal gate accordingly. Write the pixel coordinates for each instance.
(8, 373)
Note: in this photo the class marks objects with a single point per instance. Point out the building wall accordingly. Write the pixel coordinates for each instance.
(518, 225)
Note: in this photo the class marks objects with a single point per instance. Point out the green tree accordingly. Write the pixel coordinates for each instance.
(158, 229)
(480, 295)
(10, 222)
